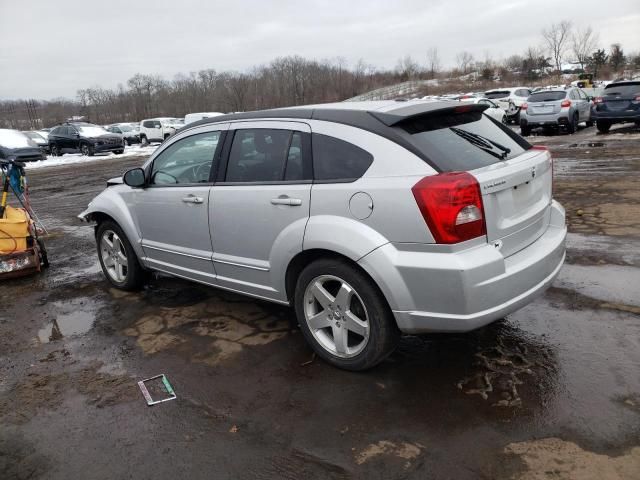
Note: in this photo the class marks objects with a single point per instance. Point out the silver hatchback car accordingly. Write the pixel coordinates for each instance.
(555, 109)
(370, 219)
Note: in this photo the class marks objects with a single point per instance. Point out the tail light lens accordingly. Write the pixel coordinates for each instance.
(524, 106)
(598, 100)
(451, 205)
(546, 149)
(565, 103)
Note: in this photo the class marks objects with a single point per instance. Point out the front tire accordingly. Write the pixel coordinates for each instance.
(86, 150)
(144, 141)
(525, 131)
(117, 258)
(119, 152)
(343, 315)
(55, 151)
(603, 126)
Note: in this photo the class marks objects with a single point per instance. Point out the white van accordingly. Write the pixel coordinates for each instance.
(194, 117)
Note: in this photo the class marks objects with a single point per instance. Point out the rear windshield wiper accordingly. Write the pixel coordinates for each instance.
(483, 143)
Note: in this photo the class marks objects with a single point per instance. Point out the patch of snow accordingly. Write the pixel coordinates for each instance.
(71, 158)
(14, 139)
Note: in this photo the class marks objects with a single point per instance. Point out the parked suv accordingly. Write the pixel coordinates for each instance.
(510, 100)
(156, 130)
(86, 138)
(619, 103)
(369, 218)
(555, 109)
(130, 135)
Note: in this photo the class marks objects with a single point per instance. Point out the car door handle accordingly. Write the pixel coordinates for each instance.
(192, 199)
(292, 202)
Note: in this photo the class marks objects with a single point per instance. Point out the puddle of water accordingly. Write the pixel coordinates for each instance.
(587, 144)
(71, 319)
(609, 283)
(626, 250)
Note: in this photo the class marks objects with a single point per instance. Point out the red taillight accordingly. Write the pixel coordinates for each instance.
(524, 106)
(565, 103)
(546, 149)
(451, 204)
(598, 100)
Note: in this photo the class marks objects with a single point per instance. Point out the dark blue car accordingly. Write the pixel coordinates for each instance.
(619, 103)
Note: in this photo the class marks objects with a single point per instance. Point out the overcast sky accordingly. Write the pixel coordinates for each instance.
(51, 48)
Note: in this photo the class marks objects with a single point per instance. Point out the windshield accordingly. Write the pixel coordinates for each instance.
(546, 96)
(14, 139)
(91, 131)
(35, 136)
(630, 88)
(464, 141)
(497, 94)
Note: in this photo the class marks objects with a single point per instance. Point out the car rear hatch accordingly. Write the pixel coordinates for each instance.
(514, 178)
(545, 103)
(620, 98)
(516, 195)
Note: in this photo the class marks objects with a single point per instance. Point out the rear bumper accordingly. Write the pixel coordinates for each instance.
(619, 116)
(552, 120)
(431, 291)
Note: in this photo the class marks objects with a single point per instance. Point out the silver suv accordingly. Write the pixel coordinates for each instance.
(370, 219)
(555, 109)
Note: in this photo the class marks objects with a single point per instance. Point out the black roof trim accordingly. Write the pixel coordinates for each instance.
(380, 123)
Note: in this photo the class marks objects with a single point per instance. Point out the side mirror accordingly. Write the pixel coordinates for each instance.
(134, 178)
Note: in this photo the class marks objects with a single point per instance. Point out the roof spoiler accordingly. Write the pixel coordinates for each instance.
(412, 112)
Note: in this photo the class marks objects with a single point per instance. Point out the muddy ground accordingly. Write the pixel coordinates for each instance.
(552, 391)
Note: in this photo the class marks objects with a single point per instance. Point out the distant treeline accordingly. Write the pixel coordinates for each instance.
(283, 82)
(293, 80)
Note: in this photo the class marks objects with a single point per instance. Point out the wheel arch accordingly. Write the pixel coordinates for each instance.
(306, 257)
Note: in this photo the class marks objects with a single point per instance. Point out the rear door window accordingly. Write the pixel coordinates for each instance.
(337, 160)
(265, 155)
(497, 94)
(464, 141)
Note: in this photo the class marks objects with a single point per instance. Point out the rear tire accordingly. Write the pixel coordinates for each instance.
(573, 125)
(525, 131)
(118, 260)
(143, 140)
(603, 126)
(353, 328)
(119, 152)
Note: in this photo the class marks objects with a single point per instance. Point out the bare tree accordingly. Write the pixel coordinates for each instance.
(407, 68)
(583, 44)
(433, 62)
(556, 38)
(464, 60)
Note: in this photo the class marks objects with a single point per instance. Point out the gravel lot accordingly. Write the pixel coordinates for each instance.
(552, 391)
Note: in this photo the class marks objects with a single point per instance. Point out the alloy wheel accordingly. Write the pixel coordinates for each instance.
(84, 149)
(336, 316)
(114, 256)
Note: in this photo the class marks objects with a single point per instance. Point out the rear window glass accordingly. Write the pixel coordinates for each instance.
(498, 94)
(622, 88)
(464, 141)
(546, 97)
(335, 159)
